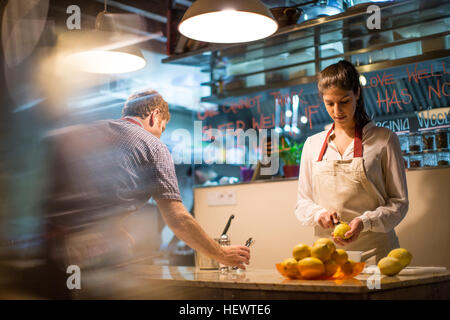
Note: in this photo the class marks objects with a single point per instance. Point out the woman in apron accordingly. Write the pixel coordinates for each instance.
(354, 172)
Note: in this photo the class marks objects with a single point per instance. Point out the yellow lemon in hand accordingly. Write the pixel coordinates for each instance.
(340, 256)
(330, 268)
(301, 251)
(403, 255)
(311, 268)
(341, 229)
(328, 242)
(390, 266)
(321, 251)
(290, 267)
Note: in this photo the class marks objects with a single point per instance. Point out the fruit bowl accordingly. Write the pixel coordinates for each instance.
(338, 275)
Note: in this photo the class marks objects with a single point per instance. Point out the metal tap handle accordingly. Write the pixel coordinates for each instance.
(228, 225)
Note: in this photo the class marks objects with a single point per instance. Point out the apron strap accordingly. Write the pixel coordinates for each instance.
(133, 121)
(358, 147)
(325, 144)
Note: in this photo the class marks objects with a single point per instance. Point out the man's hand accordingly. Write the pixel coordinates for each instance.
(328, 219)
(189, 231)
(356, 226)
(235, 256)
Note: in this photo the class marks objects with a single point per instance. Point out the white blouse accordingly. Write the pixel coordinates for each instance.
(385, 170)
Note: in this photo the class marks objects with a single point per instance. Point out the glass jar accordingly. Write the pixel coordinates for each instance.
(428, 141)
(415, 142)
(403, 138)
(224, 241)
(442, 139)
(429, 159)
(416, 160)
(443, 158)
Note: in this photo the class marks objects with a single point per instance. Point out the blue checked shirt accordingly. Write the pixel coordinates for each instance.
(106, 169)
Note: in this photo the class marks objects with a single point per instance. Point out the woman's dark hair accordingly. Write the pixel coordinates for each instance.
(343, 75)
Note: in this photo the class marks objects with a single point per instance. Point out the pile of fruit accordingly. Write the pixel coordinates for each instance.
(395, 261)
(321, 261)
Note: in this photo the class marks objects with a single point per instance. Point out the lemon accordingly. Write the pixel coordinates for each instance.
(330, 268)
(340, 256)
(341, 229)
(311, 268)
(301, 251)
(403, 255)
(328, 242)
(347, 267)
(390, 266)
(321, 251)
(290, 267)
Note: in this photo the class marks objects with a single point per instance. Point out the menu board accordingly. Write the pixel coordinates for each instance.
(406, 98)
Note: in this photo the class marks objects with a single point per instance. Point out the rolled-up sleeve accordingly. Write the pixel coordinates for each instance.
(388, 216)
(306, 210)
(164, 184)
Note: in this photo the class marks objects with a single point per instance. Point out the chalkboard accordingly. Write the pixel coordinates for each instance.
(394, 98)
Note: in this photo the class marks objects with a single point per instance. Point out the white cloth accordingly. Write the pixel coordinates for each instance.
(385, 170)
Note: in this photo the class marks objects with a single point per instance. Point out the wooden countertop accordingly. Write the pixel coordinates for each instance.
(271, 280)
(144, 281)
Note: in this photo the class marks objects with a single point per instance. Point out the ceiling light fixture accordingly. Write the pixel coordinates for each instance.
(321, 8)
(117, 56)
(362, 80)
(227, 21)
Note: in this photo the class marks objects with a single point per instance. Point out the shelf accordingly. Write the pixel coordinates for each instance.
(268, 48)
(427, 168)
(353, 18)
(412, 31)
(220, 98)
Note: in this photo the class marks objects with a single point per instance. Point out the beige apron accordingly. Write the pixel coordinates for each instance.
(342, 186)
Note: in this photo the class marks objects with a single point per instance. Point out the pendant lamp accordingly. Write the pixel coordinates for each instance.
(227, 21)
(116, 51)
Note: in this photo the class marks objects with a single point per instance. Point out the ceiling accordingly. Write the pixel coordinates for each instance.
(180, 85)
(155, 13)
(174, 82)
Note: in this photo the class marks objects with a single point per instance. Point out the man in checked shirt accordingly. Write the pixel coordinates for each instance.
(106, 170)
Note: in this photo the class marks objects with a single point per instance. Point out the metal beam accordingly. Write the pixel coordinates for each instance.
(146, 14)
(185, 3)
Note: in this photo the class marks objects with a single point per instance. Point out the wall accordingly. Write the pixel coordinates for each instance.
(264, 211)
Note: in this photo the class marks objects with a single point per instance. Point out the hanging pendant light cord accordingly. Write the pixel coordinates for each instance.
(106, 5)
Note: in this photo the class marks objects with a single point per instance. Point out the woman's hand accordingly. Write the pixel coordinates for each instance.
(328, 219)
(356, 226)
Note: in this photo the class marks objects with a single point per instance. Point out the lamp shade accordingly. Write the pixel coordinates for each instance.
(113, 49)
(108, 61)
(227, 21)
